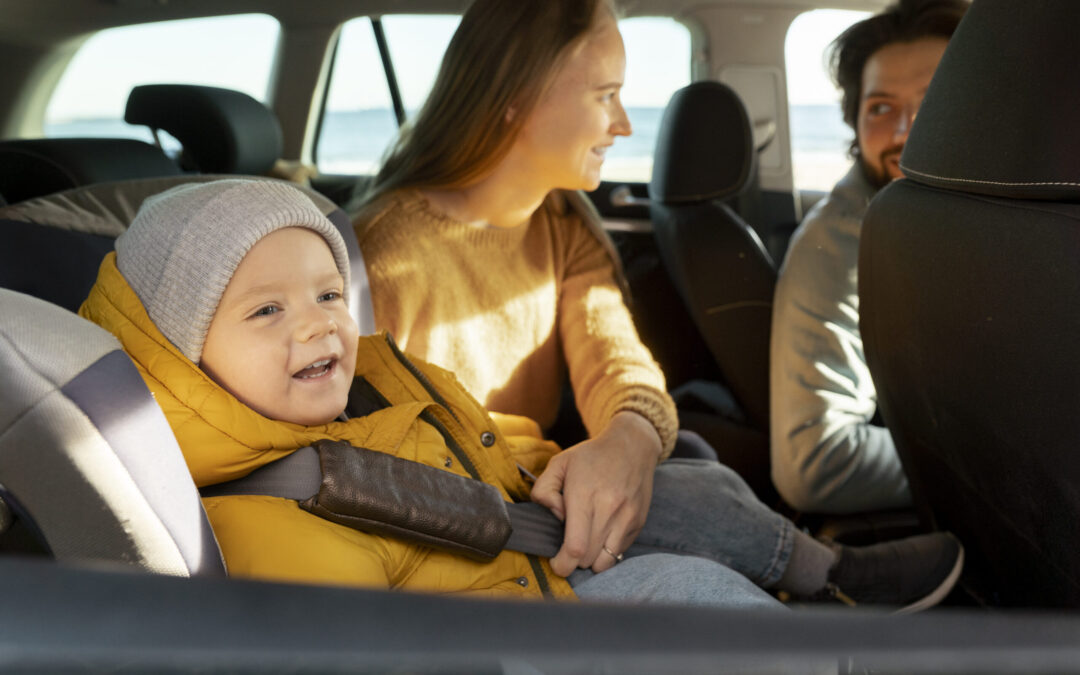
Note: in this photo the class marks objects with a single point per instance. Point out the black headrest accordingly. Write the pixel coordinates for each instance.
(222, 131)
(41, 166)
(705, 148)
(999, 117)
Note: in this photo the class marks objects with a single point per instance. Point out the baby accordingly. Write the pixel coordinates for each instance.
(230, 296)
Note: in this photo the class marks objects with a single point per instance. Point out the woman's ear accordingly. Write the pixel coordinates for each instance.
(511, 112)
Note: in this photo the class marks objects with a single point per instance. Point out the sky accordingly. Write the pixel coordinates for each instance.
(236, 52)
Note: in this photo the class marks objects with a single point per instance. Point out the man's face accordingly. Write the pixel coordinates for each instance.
(282, 340)
(894, 82)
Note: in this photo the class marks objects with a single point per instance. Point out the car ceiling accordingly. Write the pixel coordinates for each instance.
(48, 21)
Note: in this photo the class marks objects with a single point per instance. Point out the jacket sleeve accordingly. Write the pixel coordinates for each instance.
(610, 369)
(826, 455)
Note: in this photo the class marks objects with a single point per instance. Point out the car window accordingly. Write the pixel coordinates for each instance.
(235, 52)
(657, 65)
(358, 122)
(417, 45)
(819, 137)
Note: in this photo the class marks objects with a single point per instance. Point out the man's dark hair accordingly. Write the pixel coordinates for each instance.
(905, 21)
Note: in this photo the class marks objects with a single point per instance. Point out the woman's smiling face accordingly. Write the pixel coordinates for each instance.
(282, 339)
(567, 134)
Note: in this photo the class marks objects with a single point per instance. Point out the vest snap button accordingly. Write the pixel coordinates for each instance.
(448, 462)
(487, 439)
(523, 582)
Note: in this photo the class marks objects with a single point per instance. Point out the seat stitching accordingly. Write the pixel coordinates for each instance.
(907, 169)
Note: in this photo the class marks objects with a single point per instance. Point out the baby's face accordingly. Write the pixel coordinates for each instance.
(282, 340)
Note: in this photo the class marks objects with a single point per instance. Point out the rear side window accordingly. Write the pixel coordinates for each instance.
(235, 52)
(657, 65)
(358, 122)
(819, 137)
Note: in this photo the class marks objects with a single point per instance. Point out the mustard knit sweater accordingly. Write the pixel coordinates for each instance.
(509, 311)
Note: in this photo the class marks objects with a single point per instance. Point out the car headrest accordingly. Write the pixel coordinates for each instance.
(33, 167)
(221, 130)
(86, 456)
(999, 116)
(705, 147)
(58, 241)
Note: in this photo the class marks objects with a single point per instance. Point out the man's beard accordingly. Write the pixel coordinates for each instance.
(879, 176)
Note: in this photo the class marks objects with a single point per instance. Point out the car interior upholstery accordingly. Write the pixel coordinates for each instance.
(62, 238)
(705, 157)
(221, 130)
(969, 289)
(34, 167)
(969, 284)
(89, 464)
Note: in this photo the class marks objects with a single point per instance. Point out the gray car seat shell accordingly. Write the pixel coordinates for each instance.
(85, 453)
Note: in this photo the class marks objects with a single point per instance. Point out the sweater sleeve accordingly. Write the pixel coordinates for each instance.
(827, 456)
(610, 369)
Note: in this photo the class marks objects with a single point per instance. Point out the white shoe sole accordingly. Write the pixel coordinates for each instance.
(939, 593)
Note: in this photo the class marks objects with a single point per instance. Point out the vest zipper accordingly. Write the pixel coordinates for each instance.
(534, 562)
(452, 444)
(420, 377)
(456, 449)
(541, 577)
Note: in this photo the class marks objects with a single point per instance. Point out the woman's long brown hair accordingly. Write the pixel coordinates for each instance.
(503, 55)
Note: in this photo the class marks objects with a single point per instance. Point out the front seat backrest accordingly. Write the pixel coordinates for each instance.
(221, 130)
(705, 155)
(87, 458)
(969, 286)
(33, 167)
(55, 243)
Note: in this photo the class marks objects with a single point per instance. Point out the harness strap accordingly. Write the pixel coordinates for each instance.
(298, 476)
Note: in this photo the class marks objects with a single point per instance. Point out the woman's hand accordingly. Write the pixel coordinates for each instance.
(601, 489)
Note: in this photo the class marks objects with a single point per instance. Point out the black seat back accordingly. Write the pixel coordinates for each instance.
(53, 245)
(33, 167)
(969, 285)
(221, 130)
(704, 156)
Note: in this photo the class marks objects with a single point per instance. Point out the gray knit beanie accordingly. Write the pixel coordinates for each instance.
(185, 244)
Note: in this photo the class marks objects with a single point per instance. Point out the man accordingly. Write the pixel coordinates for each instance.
(829, 455)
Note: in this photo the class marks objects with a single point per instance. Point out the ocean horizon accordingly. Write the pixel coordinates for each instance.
(353, 141)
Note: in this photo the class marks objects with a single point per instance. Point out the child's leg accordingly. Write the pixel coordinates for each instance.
(671, 579)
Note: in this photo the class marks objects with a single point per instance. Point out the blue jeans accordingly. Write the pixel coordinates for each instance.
(666, 578)
(704, 510)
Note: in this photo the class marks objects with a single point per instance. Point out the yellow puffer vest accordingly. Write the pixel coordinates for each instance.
(272, 538)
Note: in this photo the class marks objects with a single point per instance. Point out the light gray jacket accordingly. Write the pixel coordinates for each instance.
(826, 456)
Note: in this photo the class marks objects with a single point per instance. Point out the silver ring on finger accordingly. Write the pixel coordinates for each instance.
(618, 556)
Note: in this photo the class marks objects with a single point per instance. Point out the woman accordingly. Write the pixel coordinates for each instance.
(480, 264)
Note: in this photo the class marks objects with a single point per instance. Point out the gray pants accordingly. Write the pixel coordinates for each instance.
(704, 525)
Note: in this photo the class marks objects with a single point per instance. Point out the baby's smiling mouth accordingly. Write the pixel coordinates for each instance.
(316, 369)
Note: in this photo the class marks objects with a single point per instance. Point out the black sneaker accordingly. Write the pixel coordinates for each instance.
(911, 574)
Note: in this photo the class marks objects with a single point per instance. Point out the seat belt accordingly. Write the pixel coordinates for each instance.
(298, 476)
